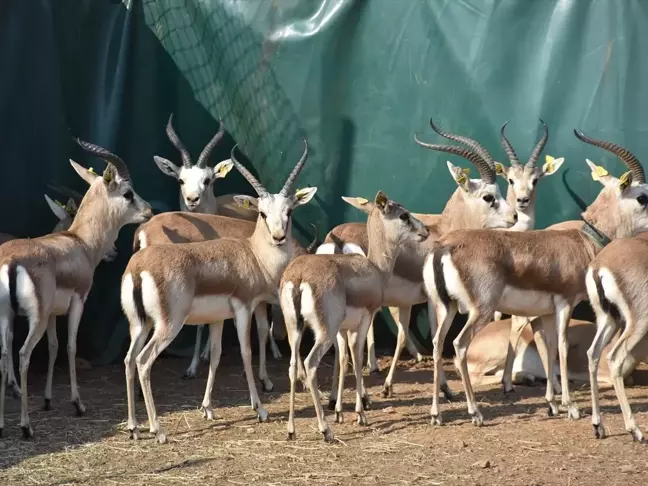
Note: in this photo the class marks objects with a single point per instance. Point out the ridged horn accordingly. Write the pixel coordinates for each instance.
(508, 148)
(109, 157)
(627, 157)
(531, 163)
(473, 145)
(258, 187)
(295, 172)
(177, 143)
(204, 155)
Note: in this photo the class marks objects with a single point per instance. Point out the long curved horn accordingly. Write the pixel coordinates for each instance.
(295, 172)
(64, 190)
(177, 143)
(627, 157)
(474, 145)
(109, 157)
(508, 148)
(204, 156)
(258, 187)
(486, 172)
(531, 163)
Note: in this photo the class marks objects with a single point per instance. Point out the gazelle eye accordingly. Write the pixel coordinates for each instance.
(263, 215)
(535, 181)
(642, 199)
(206, 182)
(181, 182)
(128, 195)
(404, 217)
(488, 198)
(511, 181)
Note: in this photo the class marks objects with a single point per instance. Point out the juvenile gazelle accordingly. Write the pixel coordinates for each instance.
(341, 293)
(476, 203)
(197, 196)
(535, 273)
(52, 275)
(617, 285)
(167, 286)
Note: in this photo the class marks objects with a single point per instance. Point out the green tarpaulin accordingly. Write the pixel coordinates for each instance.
(357, 78)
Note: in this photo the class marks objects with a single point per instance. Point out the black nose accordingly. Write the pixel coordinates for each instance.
(279, 239)
(193, 199)
(523, 200)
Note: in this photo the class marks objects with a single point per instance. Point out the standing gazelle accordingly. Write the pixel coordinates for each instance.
(476, 203)
(168, 286)
(52, 275)
(535, 273)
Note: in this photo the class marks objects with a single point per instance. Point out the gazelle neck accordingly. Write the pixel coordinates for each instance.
(273, 259)
(382, 252)
(95, 225)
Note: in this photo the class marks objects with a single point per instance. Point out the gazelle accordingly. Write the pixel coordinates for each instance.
(197, 196)
(168, 286)
(333, 293)
(476, 203)
(52, 275)
(185, 227)
(534, 273)
(617, 281)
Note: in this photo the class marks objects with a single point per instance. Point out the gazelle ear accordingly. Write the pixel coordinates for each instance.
(302, 196)
(87, 175)
(360, 203)
(57, 208)
(381, 200)
(71, 207)
(600, 174)
(501, 170)
(247, 202)
(551, 165)
(223, 168)
(459, 175)
(166, 166)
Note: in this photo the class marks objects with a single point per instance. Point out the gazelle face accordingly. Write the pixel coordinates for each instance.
(400, 226)
(275, 211)
(523, 180)
(196, 183)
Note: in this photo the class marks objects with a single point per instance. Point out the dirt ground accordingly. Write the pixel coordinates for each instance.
(518, 444)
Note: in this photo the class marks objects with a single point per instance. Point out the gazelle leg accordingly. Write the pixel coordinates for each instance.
(204, 355)
(12, 381)
(52, 343)
(401, 316)
(517, 327)
(215, 339)
(263, 329)
(563, 314)
(605, 327)
(294, 339)
(277, 327)
(444, 315)
(138, 333)
(4, 365)
(320, 347)
(342, 343)
(37, 327)
(242, 320)
(372, 362)
(433, 322)
(74, 318)
(544, 336)
(357, 342)
(195, 358)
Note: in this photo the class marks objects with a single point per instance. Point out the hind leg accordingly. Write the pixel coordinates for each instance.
(445, 315)
(356, 340)
(401, 316)
(321, 346)
(605, 327)
(52, 343)
(138, 333)
(372, 361)
(216, 339)
(340, 364)
(37, 327)
(433, 322)
(12, 381)
(517, 326)
(4, 365)
(195, 358)
(263, 329)
(74, 317)
(544, 336)
(563, 313)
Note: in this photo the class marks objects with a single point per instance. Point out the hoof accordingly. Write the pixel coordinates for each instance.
(161, 437)
(387, 391)
(477, 419)
(339, 417)
(362, 419)
(47, 406)
(419, 358)
(573, 413)
(447, 392)
(189, 375)
(599, 431)
(27, 431)
(331, 404)
(208, 413)
(436, 420)
(366, 403)
(266, 386)
(552, 410)
(276, 354)
(79, 409)
(328, 436)
(262, 415)
(508, 390)
(204, 357)
(134, 434)
(291, 436)
(15, 391)
(637, 436)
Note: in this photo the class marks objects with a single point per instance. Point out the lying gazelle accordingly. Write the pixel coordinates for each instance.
(337, 294)
(535, 273)
(476, 203)
(197, 196)
(617, 281)
(185, 227)
(52, 275)
(167, 286)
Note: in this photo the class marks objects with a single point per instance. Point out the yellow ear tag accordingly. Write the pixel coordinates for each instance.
(499, 168)
(107, 175)
(224, 169)
(246, 203)
(550, 165)
(301, 192)
(91, 169)
(599, 172)
(624, 181)
(59, 203)
(361, 200)
(381, 199)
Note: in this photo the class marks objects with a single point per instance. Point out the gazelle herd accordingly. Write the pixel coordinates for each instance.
(230, 257)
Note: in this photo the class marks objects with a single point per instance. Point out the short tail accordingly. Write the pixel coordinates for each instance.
(13, 277)
(136, 240)
(313, 244)
(137, 297)
(607, 306)
(296, 298)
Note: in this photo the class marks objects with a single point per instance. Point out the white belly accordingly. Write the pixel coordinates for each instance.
(403, 292)
(210, 308)
(62, 301)
(520, 302)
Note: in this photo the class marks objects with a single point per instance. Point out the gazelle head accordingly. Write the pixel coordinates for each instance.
(621, 208)
(110, 194)
(523, 179)
(398, 224)
(477, 203)
(196, 180)
(275, 210)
